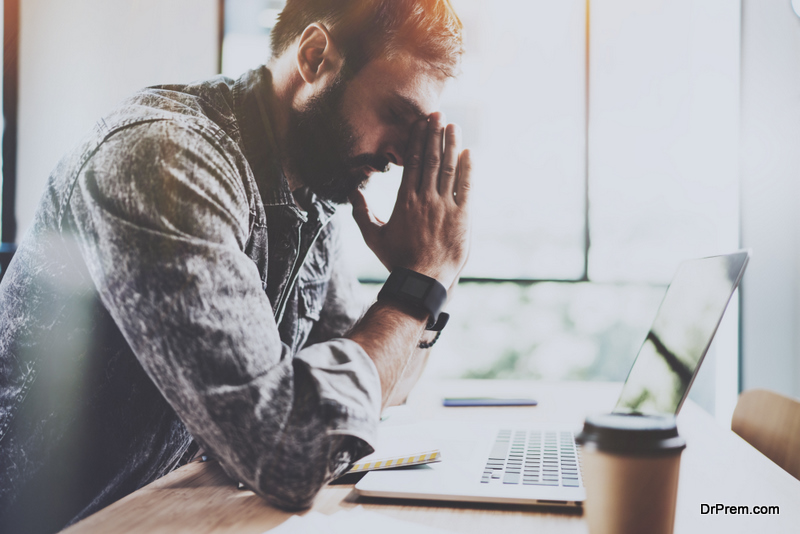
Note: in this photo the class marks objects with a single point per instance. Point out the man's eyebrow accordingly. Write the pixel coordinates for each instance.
(411, 106)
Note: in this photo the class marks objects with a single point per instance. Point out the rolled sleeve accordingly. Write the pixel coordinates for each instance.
(161, 217)
(343, 371)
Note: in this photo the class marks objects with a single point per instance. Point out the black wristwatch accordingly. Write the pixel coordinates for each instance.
(420, 291)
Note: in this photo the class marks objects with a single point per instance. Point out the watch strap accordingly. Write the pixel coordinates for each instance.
(417, 290)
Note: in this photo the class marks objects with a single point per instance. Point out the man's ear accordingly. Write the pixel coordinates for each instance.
(317, 55)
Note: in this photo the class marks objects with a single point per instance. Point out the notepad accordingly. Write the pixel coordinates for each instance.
(383, 461)
(399, 446)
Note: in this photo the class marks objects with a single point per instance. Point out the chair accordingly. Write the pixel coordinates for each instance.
(771, 423)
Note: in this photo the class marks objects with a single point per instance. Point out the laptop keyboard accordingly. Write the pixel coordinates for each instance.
(533, 458)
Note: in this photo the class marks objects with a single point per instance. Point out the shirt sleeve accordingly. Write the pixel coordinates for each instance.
(161, 215)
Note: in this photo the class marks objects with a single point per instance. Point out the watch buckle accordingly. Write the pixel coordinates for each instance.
(440, 323)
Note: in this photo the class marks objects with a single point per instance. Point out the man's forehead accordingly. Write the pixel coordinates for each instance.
(407, 80)
(410, 105)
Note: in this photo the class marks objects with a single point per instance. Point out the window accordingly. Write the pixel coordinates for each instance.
(605, 140)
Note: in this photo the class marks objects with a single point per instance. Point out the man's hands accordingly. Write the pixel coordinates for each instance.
(428, 230)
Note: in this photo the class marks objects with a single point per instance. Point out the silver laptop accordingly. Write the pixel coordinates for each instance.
(482, 463)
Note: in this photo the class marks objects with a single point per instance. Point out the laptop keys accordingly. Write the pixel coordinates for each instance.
(535, 458)
(499, 450)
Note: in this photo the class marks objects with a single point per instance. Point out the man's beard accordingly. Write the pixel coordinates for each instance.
(320, 145)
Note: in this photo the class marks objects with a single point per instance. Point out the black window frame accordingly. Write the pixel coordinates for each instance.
(8, 223)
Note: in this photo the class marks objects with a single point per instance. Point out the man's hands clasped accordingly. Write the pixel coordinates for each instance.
(429, 229)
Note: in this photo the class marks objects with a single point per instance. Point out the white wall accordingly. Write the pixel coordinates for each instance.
(770, 171)
(78, 58)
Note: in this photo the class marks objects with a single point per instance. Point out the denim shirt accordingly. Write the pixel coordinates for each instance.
(173, 294)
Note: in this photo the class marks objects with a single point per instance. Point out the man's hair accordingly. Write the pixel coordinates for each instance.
(368, 29)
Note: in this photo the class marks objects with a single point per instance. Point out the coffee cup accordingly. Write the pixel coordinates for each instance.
(630, 467)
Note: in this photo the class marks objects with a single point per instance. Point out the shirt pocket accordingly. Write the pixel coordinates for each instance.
(312, 298)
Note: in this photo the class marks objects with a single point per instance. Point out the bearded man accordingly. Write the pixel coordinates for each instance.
(182, 287)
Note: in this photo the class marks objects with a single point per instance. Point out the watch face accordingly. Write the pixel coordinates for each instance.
(414, 287)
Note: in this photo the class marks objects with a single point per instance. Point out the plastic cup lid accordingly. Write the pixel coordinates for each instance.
(632, 434)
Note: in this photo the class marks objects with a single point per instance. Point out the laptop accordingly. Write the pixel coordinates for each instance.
(540, 466)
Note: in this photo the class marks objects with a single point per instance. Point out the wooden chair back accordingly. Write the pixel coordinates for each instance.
(771, 423)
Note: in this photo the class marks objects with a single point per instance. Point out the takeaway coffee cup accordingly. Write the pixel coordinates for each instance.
(630, 471)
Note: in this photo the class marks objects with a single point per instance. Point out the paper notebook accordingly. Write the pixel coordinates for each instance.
(399, 446)
(383, 461)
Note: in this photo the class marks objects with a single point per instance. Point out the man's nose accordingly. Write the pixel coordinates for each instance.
(393, 156)
(394, 153)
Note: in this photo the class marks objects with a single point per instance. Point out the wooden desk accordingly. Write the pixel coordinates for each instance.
(717, 467)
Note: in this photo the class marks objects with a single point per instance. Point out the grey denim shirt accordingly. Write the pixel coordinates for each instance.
(171, 290)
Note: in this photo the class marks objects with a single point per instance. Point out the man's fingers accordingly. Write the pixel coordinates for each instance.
(463, 182)
(412, 161)
(366, 221)
(431, 161)
(449, 166)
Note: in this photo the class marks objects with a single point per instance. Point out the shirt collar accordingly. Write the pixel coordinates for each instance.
(254, 100)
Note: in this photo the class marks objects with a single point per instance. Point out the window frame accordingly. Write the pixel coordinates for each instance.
(10, 108)
(8, 213)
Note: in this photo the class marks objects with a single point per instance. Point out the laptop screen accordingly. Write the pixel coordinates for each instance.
(681, 334)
